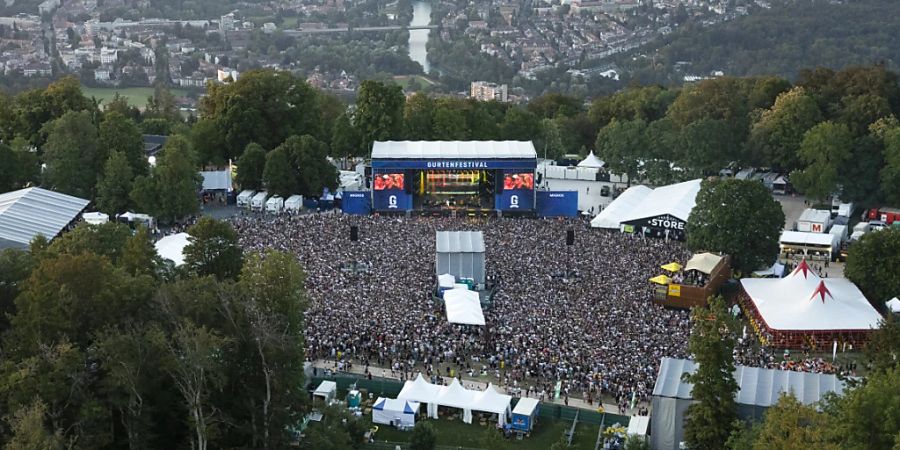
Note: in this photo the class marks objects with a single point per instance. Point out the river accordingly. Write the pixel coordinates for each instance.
(418, 39)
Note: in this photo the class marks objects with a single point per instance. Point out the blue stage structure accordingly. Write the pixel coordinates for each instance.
(557, 203)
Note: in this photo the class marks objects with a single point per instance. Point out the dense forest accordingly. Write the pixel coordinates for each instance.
(777, 41)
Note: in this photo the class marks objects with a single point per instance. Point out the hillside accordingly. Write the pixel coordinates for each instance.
(777, 41)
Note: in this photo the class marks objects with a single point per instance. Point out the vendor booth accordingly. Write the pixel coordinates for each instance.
(95, 218)
(423, 392)
(395, 412)
(463, 307)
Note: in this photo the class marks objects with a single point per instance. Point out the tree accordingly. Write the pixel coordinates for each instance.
(825, 149)
(707, 146)
(621, 145)
(710, 421)
(114, 187)
(139, 256)
(15, 267)
(868, 415)
(561, 444)
(890, 172)
(104, 240)
(519, 125)
(418, 114)
(379, 112)
(739, 218)
(9, 169)
(28, 430)
(279, 175)
(209, 143)
(250, 167)
(873, 264)
(73, 155)
(120, 134)
(636, 442)
(791, 424)
(310, 158)
(213, 249)
(345, 138)
(170, 192)
(423, 436)
(775, 139)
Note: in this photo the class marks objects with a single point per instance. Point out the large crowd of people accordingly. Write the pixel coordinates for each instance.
(573, 319)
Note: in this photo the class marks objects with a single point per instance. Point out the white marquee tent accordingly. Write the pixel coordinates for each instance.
(611, 216)
(95, 218)
(804, 301)
(395, 412)
(456, 396)
(592, 161)
(703, 262)
(463, 307)
(172, 247)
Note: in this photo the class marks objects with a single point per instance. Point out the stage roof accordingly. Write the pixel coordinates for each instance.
(756, 386)
(460, 242)
(803, 301)
(27, 213)
(453, 150)
(804, 238)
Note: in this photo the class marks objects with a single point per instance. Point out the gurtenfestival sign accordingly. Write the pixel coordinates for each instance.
(457, 164)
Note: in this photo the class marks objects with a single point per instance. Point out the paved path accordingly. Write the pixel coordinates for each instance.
(474, 384)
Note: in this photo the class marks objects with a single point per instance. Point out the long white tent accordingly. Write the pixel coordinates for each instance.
(463, 307)
(611, 216)
(640, 203)
(29, 212)
(453, 150)
(457, 396)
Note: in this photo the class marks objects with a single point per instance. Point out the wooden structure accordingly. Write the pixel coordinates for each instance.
(688, 296)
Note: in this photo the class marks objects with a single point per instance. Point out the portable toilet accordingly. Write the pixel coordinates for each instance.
(354, 399)
(524, 415)
(243, 199)
(293, 203)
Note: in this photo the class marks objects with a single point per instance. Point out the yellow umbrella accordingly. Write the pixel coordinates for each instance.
(672, 267)
(661, 279)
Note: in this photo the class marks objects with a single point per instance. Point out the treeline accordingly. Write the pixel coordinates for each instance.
(104, 346)
(777, 41)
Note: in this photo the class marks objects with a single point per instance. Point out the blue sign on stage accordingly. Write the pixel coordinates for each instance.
(557, 203)
(391, 200)
(356, 202)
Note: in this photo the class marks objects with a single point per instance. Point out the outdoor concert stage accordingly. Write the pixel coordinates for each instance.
(454, 177)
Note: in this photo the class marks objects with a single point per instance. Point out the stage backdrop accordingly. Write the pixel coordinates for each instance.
(518, 191)
(557, 203)
(356, 202)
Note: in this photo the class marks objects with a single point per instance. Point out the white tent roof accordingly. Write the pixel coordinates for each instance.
(456, 396)
(756, 386)
(591, 161)
(326, 388)
(893, 305)
(216, 180)
(611, 216)
(638, 425)
(491, 401)
(460, 242)
(703, 262)
(172, 247)
(453, 150)
(394, 404)
(247, 193)
(777, 270)
(525, 406)
(802, 238)
(419, 390)
(447, 281)
(464, 307)
(803, 301)
(275, 200)
(27, 213)
(677, 200)
(95, 218)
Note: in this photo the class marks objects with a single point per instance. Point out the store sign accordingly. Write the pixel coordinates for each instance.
(675, 290)
(666, 221)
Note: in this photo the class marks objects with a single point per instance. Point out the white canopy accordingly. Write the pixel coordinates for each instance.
(611, 216)
(463, 307)
(638, 425)
(777, 270)
(423, 392)
(172, 247)
(327, 390)
(446, 281)
(216, 180)
(525, 406)
(95, 218)
(395, 412)
(677, 200)
(494, 402)
(703, 262)
(456, 396)
(592, 161)
(803, 301)
(803, 238)
(893, 305)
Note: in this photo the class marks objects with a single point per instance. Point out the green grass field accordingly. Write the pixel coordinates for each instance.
(457, 433)
(136, 96)
(403, 80)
